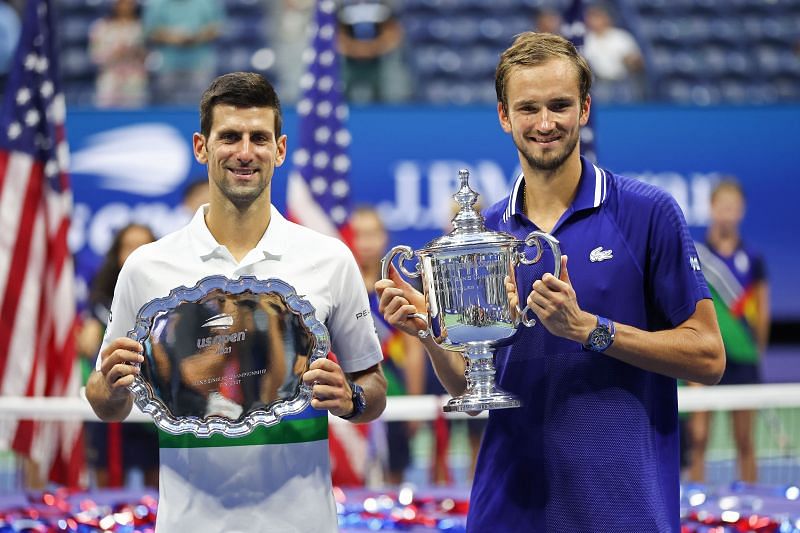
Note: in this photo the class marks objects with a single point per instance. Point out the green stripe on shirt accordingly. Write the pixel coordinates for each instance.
(286, 432)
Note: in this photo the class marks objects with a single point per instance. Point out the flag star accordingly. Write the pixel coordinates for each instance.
(23, 96)
(43, 141)
(325, 83)
(307, 81)
(51, 168)
(319, 185)
(341, 163)
(304, 106)
(32, 117)
(324, 109)
(38, 40)
(42, 9)
(343, 138)
(326, 58)
(338, 214)
(342, 112)
(14, 130)
(309, 54)
(340, 188)
(326, 32)
(322, 135)
(42, 64)
(300, 158)
(47, 89)
(321, 160)
(30, 61)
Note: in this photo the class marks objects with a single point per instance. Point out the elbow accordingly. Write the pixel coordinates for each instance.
(713, 357)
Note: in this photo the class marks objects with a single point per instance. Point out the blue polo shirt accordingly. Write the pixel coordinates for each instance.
(595, 445)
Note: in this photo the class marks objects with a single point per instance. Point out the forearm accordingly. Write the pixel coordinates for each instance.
(108, 407)
(449, 366)
(692, 351)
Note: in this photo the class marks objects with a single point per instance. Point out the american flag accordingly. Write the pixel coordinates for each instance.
(37, 342)
(575, 30)
(318, 192)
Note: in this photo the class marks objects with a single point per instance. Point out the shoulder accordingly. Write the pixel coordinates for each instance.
(168, 249)
(315, 243)
(494, 213)
(629, 193)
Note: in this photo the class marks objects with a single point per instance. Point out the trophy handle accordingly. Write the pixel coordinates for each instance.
(534, 239)
(407, 254)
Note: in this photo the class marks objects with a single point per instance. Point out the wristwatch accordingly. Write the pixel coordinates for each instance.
(601, 337)
(359, 401)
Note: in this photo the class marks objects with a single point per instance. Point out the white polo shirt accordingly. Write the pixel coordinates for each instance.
(276, 479)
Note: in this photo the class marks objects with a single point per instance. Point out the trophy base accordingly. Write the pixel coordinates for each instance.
(494, 400)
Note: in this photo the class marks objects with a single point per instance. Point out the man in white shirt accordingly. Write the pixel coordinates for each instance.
(276, 478)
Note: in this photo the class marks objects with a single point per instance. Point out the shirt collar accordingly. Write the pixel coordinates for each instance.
(592, 190)
(272, 243)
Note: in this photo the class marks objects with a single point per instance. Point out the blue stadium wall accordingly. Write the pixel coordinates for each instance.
(133, 166)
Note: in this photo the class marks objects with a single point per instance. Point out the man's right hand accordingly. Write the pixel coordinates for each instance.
(398, 300)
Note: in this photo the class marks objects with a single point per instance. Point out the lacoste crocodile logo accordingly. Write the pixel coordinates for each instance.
(598, 254)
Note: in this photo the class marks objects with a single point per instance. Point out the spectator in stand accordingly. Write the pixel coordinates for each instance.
(548, 20)
(736, 275)
(183, 34)
(9, 35)
(138, 441)
(614, 56)
(370, 39)
(116, 45)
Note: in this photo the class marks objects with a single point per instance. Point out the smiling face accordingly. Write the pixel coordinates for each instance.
(544, 113)
(241, 151)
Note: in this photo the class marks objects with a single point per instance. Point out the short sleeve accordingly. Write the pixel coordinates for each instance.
(674, 276)
(122, 317)
(350, 324)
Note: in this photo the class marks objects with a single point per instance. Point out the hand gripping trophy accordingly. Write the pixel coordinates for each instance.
(463, 277)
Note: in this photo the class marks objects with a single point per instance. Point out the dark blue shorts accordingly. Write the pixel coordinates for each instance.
(741, 373)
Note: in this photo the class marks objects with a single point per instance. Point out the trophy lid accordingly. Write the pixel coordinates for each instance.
(469, 229)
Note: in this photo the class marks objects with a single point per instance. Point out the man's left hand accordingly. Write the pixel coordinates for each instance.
(553, 300)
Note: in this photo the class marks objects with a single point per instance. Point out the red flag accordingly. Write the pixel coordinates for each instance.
(37, 341)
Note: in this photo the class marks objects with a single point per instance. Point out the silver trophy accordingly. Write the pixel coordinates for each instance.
(463, 279)
(226, 356)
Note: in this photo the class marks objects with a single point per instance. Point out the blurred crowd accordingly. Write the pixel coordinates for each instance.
(129, 53)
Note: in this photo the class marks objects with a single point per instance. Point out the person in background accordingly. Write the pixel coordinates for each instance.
(370, 40)
(182, 33)
(117, 47)
(138, 441)
(614, 56)
(10, 29)
(737, 277)
(548, 20)
(597, 433)
(403, 356)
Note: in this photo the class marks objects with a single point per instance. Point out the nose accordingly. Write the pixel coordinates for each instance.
(245, 150)
(543, 121)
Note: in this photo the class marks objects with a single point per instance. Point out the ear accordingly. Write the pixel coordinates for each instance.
(199, 147)
(281, 155)
(586, 108)
(505, 123)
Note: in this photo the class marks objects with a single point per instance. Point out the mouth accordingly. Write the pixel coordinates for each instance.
(545, 141)
(244, 172)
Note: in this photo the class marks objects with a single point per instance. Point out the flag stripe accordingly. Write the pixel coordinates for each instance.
(11, 191)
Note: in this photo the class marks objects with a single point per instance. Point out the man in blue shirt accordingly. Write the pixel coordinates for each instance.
(595, 445)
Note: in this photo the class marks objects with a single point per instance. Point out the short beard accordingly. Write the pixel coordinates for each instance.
(550, 164)
(242, 200)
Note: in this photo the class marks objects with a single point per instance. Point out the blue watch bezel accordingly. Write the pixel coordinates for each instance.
(359, 401)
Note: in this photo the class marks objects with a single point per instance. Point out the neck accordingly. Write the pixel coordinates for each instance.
(238, 229)
(549, 193)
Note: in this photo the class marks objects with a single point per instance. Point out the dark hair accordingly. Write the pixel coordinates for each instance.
(105, 280)
(239, 89)
(532, 49)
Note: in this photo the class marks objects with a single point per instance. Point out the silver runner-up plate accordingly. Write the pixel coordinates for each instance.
(226, 356)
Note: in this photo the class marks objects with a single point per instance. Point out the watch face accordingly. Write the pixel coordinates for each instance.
(600, 338)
